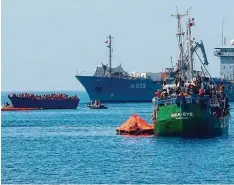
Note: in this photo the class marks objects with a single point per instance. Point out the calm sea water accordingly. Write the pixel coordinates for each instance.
(80, 146)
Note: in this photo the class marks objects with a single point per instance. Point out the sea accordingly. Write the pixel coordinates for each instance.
(81, 147)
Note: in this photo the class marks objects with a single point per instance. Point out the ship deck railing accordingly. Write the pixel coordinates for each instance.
(187, 100)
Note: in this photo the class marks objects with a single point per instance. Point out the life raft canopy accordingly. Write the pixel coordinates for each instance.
(135, 125)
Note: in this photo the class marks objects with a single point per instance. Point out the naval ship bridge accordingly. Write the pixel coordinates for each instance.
(226, 55)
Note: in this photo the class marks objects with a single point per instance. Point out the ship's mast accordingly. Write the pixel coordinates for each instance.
(110, 54)
(180, 35)
(190, 56)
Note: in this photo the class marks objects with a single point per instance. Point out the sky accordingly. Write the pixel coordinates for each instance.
(45, 42)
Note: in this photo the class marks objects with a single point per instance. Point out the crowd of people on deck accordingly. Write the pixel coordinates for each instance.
(52, 96)
(199, 87)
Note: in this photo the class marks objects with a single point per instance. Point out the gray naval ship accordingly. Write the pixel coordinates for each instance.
(226, 55)
(116, 85)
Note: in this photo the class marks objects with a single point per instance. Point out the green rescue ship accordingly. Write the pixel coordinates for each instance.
(193, 105)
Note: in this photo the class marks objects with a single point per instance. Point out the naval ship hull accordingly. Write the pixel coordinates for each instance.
(230, 96)
(110, 89)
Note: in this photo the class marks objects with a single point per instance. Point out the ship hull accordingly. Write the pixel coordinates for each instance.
(230, 95)
(119, 90)
(97, 107)
(108, 89)
(190, 120)
(43, 104)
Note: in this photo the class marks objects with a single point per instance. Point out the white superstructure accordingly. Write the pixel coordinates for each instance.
(226, 55)
(144, 75)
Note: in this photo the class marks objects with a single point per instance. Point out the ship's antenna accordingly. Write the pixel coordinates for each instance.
(180, 34)
(222, 32)
(110, 53)
(171, 62)
(224, 40)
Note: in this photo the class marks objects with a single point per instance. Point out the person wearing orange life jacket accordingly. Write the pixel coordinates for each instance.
(182, 97)
(221, 87)
(157, 93)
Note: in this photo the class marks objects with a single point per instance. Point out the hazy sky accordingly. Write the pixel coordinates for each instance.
(45, 41)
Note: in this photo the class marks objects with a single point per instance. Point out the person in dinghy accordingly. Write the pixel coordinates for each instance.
(96, 105)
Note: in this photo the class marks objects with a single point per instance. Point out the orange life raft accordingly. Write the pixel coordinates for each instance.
(135, 125)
